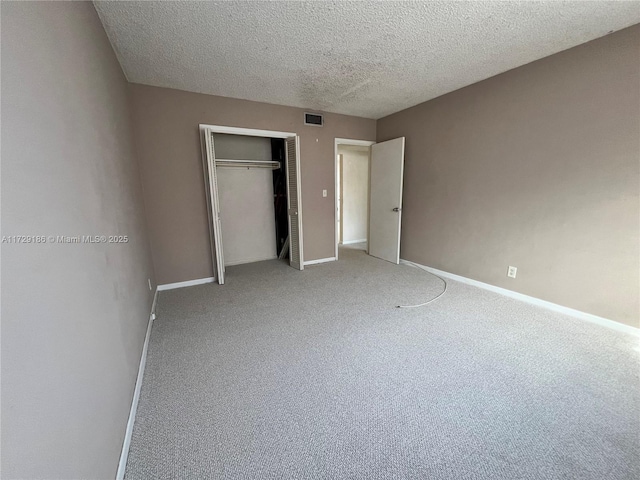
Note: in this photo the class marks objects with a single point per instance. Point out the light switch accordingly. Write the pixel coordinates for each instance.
(324, 193)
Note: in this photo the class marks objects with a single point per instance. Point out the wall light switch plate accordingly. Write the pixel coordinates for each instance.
(512, 271)
(324, 193)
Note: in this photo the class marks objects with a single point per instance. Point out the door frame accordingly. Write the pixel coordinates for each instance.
(344, 141)
(249, 132)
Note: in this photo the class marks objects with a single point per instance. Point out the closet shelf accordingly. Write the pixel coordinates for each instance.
(223, 162)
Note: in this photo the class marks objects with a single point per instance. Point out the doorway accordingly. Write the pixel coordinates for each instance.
(353, 195)
(371, 171)
(352, 166)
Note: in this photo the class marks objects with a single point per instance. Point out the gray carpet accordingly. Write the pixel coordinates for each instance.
(316, 375)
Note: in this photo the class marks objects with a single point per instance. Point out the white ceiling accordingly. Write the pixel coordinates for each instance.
(368, 59)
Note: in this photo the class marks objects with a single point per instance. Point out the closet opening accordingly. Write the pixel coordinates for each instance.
(252, 181)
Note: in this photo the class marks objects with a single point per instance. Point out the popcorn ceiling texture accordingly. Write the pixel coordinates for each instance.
(366, 59)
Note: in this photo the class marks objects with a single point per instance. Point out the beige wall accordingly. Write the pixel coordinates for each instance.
(73, 316)
(536, 168)
(355, 192)
(166, 129)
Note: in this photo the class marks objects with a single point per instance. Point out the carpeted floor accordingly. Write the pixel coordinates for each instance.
(283, 374)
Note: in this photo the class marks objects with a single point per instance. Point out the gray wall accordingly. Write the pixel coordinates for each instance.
(73, 316)
(166, 131)
(536, 168)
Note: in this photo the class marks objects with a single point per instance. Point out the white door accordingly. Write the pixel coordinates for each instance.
(292, 151)
(385, 212)
(339, 199)
(213, 204)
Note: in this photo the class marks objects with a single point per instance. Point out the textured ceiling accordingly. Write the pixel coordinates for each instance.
(368, 59)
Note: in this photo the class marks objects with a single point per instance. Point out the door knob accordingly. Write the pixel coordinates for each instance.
(397, 209)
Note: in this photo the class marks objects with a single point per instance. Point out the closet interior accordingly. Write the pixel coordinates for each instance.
(252, 193)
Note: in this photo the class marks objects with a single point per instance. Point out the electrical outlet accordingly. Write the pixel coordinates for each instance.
(512, 271)
(324, 193)
(149, 282)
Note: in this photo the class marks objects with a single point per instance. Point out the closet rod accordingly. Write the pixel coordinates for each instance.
(247, 163)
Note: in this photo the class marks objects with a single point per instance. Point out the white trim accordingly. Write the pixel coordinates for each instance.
(124, 454)
(153, 305)
(207, 192)
(211, 172)
(188, 283)
(251, 132)
(343, 141)
(320, 260)
(337, 180)
(299, 195)
(605, 322)
(349, 141)
(249, 260)
(354, 241)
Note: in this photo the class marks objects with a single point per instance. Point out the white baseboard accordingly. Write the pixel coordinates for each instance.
(124, 454)
(188, 283)
(364, 240)
(320, 260)
(605, 322)
(249, 260)
(153, 305)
